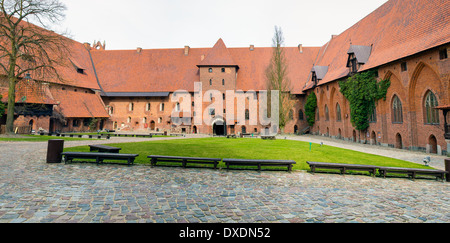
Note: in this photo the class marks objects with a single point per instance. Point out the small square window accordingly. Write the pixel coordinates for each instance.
(80, 71)
(223, 70)
(210, 70)
(404, 67)
(443, 54)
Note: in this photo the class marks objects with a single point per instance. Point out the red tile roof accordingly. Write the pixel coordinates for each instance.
(396, 30)
(253, 64)
(79, 58)
(79, 104)
(218, 56)
(30, 92)
(168, 70)
(75, 54)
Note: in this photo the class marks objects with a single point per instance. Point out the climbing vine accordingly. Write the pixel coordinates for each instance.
(362, 91)
(93, 124)
(310, 108)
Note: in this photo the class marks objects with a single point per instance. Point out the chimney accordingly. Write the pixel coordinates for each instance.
(87, 46)
(300, 48)
(333, 36)
(186, 50)
(139, 50)
(252, 47)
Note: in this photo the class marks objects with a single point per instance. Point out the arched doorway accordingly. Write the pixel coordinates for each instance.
(373, 137)
(52, 125)
(194, 130)
(354, 136)
(339, 134)
(31, 124)
(295, 129)
(433, 144)
(152, 125)
(244, 129)
(398, 141)
(219, 127)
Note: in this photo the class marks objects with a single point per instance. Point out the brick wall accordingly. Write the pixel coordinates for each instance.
(425, 72)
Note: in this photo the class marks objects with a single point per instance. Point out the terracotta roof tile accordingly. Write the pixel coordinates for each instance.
(218, 56)
(79, 104)
(397, 29)
(168, 70)
(75, 55)
(30, 92)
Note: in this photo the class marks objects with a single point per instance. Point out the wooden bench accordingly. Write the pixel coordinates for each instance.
(412, 172)
(104, 149)
(342, 167)
(176, 134)
(99, 157)
(271, 137)
(94, 136)
(183, 160)
(231, 135)
(259, 163)
(143, 135)
(156, 133)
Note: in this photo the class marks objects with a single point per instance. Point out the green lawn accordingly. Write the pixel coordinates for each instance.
(248, 148)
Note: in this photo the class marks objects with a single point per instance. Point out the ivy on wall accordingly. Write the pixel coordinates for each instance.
(362, 91)
(310, 108)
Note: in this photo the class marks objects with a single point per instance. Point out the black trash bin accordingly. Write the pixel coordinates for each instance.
(447, 168)
(54, 150)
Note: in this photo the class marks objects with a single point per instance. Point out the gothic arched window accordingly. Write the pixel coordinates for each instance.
(397, 111)
(431, 114)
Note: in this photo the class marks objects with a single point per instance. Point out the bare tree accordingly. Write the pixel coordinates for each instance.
(277, 77)
(27, 49)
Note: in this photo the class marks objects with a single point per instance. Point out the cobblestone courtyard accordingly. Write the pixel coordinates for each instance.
(33, 191)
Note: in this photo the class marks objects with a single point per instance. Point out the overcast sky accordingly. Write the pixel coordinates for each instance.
(151, 24)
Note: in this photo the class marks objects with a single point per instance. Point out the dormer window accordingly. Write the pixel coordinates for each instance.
(318, 73)
(357, 56)
(352, 63)
(314, 78)
(79, 68)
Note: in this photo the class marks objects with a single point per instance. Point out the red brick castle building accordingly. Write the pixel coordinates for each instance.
(406, 42)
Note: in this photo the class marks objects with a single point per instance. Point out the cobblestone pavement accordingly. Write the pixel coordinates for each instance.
(34, 191)
(436, 161)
